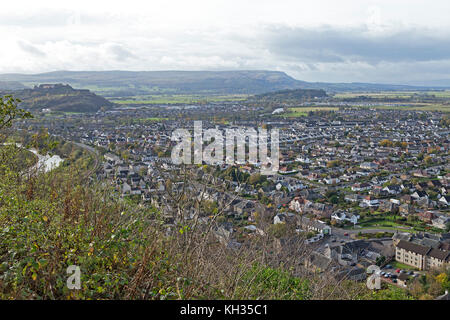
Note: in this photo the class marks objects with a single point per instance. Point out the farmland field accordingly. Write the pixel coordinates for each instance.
(303, 111)
(173, 99)
(394, 94)
(414, 107)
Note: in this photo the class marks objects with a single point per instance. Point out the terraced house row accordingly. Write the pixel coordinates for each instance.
(420, 256)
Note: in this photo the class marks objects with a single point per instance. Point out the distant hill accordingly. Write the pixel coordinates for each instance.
(128, 83)
(11, 85)
(432, 83)
(59, 97)
(366, 87)
(131, 83)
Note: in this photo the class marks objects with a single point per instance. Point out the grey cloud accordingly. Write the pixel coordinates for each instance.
(328, 44)
(119, 53)
(29, 48)
(384, 72)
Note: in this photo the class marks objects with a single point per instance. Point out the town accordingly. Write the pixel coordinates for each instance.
(362, 185)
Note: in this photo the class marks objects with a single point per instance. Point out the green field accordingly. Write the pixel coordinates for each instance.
(173, 99)
(413, 107)
(303, 111)
(420, 100)
(394, 94)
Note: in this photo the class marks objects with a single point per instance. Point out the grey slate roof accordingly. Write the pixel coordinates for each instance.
(413, 247)
(439, 254)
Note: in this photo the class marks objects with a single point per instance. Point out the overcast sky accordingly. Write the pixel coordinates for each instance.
(392, 41)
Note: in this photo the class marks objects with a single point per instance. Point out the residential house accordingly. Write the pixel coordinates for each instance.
(369, 166)
(419, 195)
(425, 215)
(361, 186)
(406, 209)
(342, 216)
(284, 218)
(369, 202)
(388, 206)
(445, 200)
(393, 189)
(441, 222)
(436, 258)
(352, 197)
(314, 225)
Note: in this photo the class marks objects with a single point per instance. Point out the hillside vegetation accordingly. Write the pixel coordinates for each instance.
(58, 97)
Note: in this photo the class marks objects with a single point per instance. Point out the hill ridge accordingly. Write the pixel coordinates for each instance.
(117, 83)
